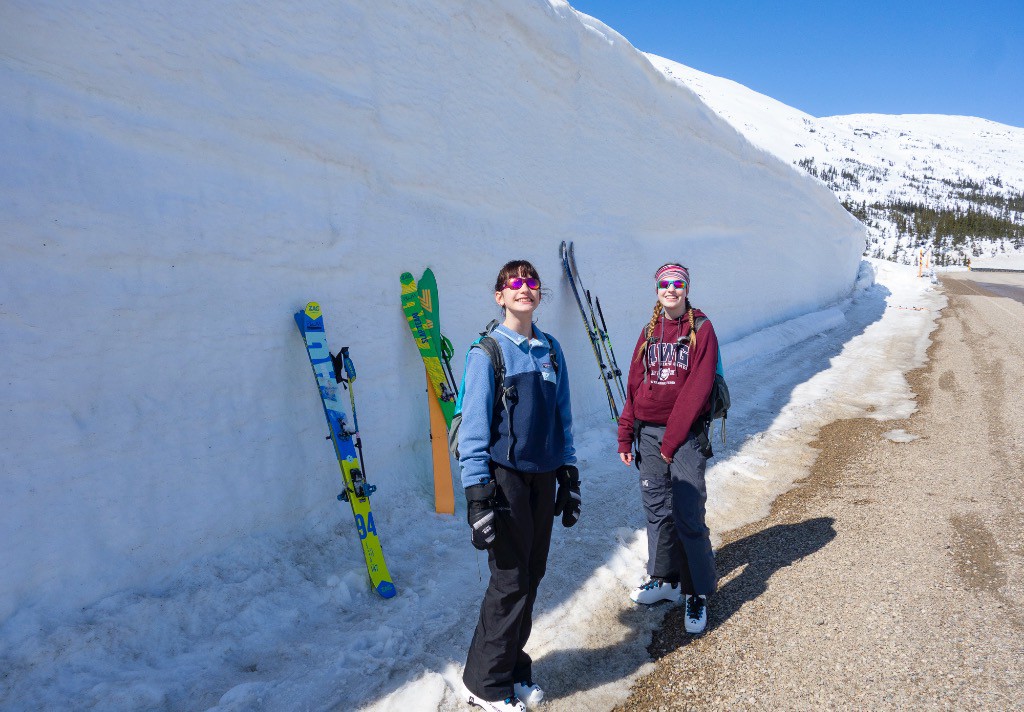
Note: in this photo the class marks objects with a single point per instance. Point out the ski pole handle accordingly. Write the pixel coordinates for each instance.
(350, 368)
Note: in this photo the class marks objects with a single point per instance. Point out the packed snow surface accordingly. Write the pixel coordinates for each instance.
(1009, 263)
(289, 621)
(179, 180)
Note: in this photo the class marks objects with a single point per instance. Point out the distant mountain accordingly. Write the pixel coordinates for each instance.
(955, 182)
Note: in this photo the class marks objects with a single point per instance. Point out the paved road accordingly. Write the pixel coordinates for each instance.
(893, 578)
(1003, 284)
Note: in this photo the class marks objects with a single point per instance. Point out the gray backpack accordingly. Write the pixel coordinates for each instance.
(718, 405)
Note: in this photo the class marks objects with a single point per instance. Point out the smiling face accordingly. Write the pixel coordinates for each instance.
(517, 291)
(673, 285)
(673, 296)
(520, 294)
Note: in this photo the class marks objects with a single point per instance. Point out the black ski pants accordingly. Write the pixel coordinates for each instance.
(524, 513)
(674, 495)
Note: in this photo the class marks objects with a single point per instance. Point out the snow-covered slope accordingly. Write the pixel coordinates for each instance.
(872, 161)
(178, 179)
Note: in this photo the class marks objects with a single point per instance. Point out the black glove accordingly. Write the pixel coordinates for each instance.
(480, 514)
(567, 499)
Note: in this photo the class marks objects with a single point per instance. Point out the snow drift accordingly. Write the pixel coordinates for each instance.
(179, 179)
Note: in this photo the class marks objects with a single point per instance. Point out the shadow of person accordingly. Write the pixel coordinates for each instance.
(569, 671)
(760, 555)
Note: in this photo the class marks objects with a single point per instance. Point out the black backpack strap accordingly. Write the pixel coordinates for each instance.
(490, 347)
(493, 350)
(505, 398)
(700, 433)
(551, 351)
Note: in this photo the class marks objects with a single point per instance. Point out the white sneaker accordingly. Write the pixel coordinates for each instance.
(696, 618)
(509, 704)
(655, 590)
(529, 693)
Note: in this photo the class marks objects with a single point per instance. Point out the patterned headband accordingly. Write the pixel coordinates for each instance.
(673, 272)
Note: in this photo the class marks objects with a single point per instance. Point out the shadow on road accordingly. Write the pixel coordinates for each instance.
(760, 555)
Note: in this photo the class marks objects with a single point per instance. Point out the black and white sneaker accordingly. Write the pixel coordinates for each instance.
(654, 590)
(509, 704)
(696, 619)
(528, 693)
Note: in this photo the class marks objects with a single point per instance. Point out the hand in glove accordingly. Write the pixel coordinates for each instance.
(480, 514)
(567, 498)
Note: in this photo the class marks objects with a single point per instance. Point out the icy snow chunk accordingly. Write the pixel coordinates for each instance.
(900, 436)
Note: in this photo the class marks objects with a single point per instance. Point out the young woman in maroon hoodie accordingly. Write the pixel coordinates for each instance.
(670, 379)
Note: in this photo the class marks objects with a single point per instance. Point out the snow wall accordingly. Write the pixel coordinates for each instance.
(178, 179)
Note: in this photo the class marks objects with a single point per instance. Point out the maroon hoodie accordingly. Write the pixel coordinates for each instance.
(670, 383)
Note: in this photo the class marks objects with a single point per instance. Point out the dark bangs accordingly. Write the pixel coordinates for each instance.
(515, 268)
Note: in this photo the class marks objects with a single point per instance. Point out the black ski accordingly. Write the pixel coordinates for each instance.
(601, 331)
(592, 334)
(611, 354)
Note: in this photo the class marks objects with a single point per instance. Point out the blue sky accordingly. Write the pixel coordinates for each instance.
(827, 58)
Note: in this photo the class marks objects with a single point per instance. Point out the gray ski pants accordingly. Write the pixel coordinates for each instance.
(674, 495)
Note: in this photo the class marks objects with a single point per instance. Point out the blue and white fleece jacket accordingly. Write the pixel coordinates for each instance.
(535, 435)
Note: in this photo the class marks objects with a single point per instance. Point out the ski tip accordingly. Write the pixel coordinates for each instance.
(408, 287)
(386, 589)
(309, 319)
(310, 311)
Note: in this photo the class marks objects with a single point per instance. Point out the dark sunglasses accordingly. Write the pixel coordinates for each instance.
(677, 283)
(518, 282)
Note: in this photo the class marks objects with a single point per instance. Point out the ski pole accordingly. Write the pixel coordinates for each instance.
(350, 372)
(603, 338)
(565, 255)
(611, 354)
(595, 333)
(447, 352)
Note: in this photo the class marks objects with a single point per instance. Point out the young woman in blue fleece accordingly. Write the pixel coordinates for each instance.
(515, 451)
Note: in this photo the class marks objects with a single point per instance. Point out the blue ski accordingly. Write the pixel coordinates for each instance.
(356, 491)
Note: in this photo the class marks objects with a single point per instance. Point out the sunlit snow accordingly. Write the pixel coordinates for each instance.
(178, 180)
